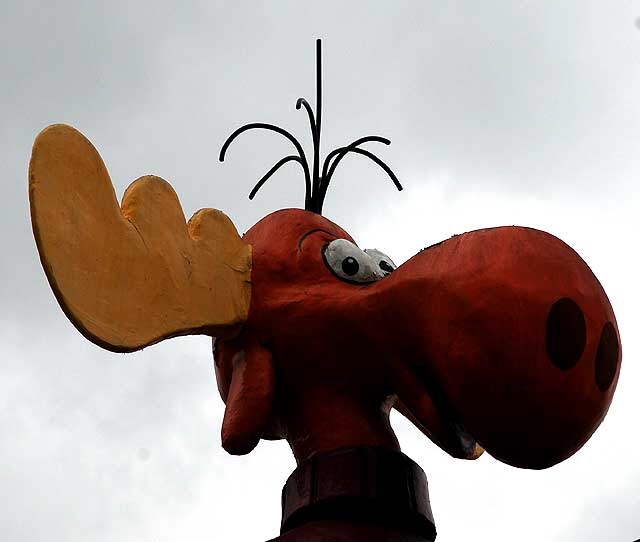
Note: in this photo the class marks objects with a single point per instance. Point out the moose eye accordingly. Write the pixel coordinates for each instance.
(350, 263)
(384, 263)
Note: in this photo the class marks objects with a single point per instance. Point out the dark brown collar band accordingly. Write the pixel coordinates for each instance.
(361, 484)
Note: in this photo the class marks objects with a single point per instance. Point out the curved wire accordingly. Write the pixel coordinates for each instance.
(312, 120)
(378, 161)
(344, 150)
(316, 182)
(363, 152)
(281, 131)
(269, 173)
(315, 134)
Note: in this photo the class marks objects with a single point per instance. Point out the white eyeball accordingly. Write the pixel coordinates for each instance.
(384, 263)
(350, 263)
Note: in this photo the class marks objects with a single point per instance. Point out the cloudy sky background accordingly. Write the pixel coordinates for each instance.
(500, 112)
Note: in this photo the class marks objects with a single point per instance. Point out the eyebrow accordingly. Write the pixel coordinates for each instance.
(310, 232)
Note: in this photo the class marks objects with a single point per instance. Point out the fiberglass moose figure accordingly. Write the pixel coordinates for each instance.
(499, 339)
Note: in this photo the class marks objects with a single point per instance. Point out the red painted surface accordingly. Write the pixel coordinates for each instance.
(464, 334)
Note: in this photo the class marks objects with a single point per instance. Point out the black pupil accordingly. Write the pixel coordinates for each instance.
(350, 266)
(385, 266)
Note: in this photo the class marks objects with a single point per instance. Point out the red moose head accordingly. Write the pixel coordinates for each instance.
(499, 339)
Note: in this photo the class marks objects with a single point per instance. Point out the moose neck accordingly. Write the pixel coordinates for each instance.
(319, 422)
(357, 494)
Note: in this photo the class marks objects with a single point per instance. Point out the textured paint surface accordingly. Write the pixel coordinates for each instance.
(132, 276)
(476, 309)
(250, 399)
(487, 340)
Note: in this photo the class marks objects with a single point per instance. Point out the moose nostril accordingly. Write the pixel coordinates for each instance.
(607, 357)
(566, 334)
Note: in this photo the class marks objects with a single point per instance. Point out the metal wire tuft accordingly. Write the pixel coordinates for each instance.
(317, 178)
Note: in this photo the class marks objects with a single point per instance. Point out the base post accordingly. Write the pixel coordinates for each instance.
(357, 494)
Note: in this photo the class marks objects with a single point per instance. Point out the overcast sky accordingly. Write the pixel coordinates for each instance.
(500, 112)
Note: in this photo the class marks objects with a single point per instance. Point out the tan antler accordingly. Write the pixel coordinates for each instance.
(131, 276)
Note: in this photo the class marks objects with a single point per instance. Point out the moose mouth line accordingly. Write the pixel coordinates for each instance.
(423, 402)
(467, 442)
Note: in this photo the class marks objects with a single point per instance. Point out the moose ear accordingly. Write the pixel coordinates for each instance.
(132, 275)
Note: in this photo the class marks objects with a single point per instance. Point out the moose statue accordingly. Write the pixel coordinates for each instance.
(499, 340)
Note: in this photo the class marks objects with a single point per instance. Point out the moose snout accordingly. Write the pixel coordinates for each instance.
(506, 337)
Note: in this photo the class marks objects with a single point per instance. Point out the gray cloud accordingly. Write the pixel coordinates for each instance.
(498, 111)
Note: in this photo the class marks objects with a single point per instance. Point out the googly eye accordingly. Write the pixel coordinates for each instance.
(380, 259)
(350, 263)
